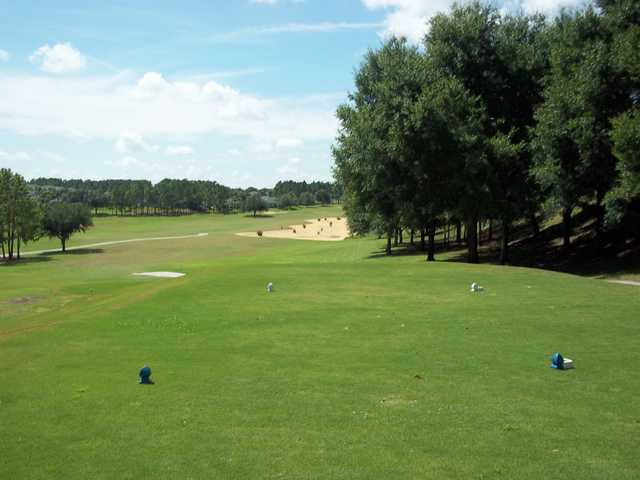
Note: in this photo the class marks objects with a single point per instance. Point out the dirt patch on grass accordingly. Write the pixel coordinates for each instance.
(160, 274)
(22, 300)
(394, 401)
(324, 229)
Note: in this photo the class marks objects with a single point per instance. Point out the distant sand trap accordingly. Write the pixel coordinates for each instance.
(274, 212)
(160, 274)
(327, 229)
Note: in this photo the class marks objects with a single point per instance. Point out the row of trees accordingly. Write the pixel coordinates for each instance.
(20, 216)
(24, 219)
(58, 208)
(175, 197)
(496, 117)
(290, 193)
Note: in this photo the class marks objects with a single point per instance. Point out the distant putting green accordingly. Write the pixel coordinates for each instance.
(357, 366)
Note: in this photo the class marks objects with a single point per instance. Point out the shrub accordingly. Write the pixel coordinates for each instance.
(259, 232)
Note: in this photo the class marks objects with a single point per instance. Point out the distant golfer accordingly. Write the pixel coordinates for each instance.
(269, 287)
(145, 376)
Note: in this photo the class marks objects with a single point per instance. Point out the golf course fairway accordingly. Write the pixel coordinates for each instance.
(356, 366)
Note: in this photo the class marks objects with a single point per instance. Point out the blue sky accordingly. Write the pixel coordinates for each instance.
(242, 92)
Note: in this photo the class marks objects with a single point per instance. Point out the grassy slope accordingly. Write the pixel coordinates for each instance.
(617, 257)
(317, 380)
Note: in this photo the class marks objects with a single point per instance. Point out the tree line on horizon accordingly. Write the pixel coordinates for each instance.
(496, 118)
(178, 197)
(58, 208)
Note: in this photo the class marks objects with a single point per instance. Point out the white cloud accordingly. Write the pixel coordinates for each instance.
(61, 58)
(125, 162)
(51, 156)
(136, 114)
(130, 142)
(34, 163)
(549, 7)
(179, 150)
(13, 157)
(131, 166)
(4, 56)
(289, 143)
(261, 148)
(291, 170)
(322, 27)
(38, 155)
(410, 18)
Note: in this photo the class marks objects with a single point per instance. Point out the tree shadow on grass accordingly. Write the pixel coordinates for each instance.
(617, 254)
(24, 261)
(259, 215)
(403, 250)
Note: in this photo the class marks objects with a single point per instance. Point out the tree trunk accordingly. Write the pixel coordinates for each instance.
(566, 228)
(422, 244)
(504, 242)
(490, 230)
(458, 232)
(388, 249)
(400, 236)
(472, 240)
(395, 238)
(64, 244)
(10, 241)
(411, 236)
(535, 225)
(18, 250)
(432, 243)
(599, 220)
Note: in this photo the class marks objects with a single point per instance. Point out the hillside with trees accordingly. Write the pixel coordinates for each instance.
(496, 121)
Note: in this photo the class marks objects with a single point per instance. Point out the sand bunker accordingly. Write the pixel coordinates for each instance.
(324, 229)
(160, 274)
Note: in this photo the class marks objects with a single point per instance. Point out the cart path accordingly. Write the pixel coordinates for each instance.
(625, 282)
(114, 242)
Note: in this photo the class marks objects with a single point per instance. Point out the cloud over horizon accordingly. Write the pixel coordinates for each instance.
(410, 18)
(59, 59)
(151, 106)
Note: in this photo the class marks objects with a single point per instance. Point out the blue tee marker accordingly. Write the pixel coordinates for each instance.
(557, 361)
(561, 363)
(145, 376)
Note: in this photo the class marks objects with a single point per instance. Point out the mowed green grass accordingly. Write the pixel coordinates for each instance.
(356, 367)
